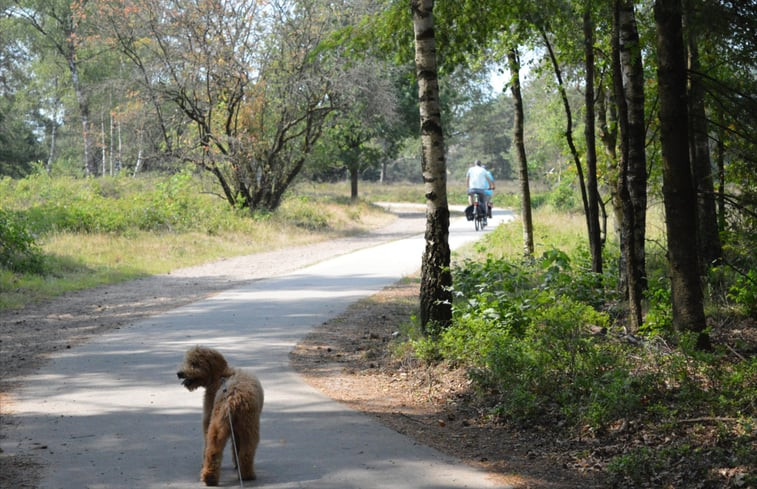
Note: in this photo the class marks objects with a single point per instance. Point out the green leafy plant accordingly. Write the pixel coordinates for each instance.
(659, 317)
(743, 292)
(18, 249)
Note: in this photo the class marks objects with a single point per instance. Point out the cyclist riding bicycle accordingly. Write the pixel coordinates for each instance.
(479, 181)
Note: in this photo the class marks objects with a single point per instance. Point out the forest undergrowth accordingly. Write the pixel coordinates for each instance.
(544, 342)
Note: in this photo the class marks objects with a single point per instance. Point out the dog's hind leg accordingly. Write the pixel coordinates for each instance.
(247, 444)
(215, 441)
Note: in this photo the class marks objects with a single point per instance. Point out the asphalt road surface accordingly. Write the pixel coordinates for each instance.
(111, 413)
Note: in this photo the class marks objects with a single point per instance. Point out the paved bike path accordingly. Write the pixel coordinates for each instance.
(111, 413)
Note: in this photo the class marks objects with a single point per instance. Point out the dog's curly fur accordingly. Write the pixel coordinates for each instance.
(228, 392)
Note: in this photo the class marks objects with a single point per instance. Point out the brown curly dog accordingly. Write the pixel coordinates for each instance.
(231, 393)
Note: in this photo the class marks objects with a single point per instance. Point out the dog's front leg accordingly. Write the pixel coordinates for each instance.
(218, 433)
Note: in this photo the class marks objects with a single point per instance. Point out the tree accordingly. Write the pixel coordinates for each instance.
(631, 184)
(250, 81)
(361, 130)
(592, 210)
(347, 145)
(436, 279)
(19, 118)
(589, 192)
(678, 187)
(710, 249)
(63, 25)
(520, 148)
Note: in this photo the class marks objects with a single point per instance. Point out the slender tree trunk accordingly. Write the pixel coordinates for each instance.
(354, 177)
(513, 59)
(678, 188)
(622, 192)
(102, 143)
(607, 125)
(629, 95)
(595, 241)
(50, 156)
(119, 156)
(110, 146)
(54, 126)
(140, 142)
(569, 136)
(710, 248)
(633, 85)
(436, 279)
(90, 165)
(720, 160)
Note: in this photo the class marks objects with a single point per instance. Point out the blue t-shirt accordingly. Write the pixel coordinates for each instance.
(477, 178)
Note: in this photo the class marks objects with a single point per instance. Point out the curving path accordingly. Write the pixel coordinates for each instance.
(111, 413)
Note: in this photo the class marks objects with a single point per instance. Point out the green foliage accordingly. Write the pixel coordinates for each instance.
(524, 332)
(636, 466)
(301, 212)
(539, 343)
(659, 317)
(743, 291)
(18, 250)
(113, 205)
(564, 196)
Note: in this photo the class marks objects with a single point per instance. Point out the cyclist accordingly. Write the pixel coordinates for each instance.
(479, 181)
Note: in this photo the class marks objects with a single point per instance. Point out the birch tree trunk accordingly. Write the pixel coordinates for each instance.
(678, 187)
(513, 59)
(103, 148)
(435, 294)
(629, 95)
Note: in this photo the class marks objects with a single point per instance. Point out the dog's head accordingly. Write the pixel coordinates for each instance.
(201, 367)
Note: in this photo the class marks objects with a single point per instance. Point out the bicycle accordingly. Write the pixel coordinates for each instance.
(478, 212)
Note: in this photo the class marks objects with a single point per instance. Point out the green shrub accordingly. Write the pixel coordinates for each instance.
(564, 197)
(116, 205)
(636, 466)
(18, 250)
(524, 333)
(743, 292)
(659, 317)
(302, 213)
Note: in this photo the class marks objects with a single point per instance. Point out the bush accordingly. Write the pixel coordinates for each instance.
(659, 317)
(563, 196)
(116, 205)
(743, 292)
(302, 213)
(524, 332)
(18, 250)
